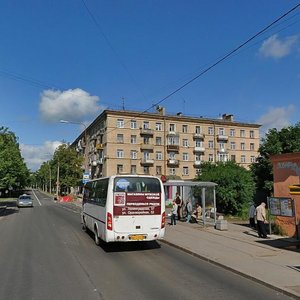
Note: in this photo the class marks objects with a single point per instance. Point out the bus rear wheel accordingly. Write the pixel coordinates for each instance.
(97, 240)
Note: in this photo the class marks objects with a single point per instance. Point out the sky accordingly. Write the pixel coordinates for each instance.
(70, 59)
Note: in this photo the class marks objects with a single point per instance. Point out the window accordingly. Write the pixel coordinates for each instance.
(242, 146)
(198, 143)
(120, 123)
(133, 169)
(221, 131)
(158, 140)
(133, 124)
(222, 146)
(210, 130)
(172, 155)
(222, 157)
(197, 129)
(158, 170)
(158, 126)
(242, 133)
(232, 132)
(133, 154)
(146, 170)
(252, 159)
(184, 128)
(252, 134)
(146, 155)
(198, 157)
(119, 169)
(172, 171)
(172, 127)
(120, 138)
(159, 155)
(120, 153)
(173, 140)
(185, 171)
(243, 158)
(252, 146)
(210, 144)
(210, 157)
(146, 125)
(133, 139)
(232, 157)
(146, 140)
(185, 142)
(232, 145)
(185, 156)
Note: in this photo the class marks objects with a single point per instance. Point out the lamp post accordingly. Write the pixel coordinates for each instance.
(85, 139)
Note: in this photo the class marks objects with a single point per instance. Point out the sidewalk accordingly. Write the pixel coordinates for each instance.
(268, 261)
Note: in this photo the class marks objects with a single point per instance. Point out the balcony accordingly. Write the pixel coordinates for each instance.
(146, 131)
(200, 136)
(222, 150)
(173, 148)
(147, 147)
(173, 162)
(147, 162)
(173, 133)
(197, 163)
(222, 137)
(199, 149)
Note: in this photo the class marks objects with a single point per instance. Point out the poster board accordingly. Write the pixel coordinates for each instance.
(280, 206)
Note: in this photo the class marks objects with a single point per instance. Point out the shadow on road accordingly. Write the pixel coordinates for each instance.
(127, 246)
(8, 208)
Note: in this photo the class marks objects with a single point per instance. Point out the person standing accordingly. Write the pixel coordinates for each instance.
(252, 215)
(178, 201)
(189, 210)
(174, 213)
(261, 220)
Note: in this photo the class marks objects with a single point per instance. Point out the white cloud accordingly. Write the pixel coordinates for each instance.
(277, 48)
(72, 105)
(34, 156)
(276, 117)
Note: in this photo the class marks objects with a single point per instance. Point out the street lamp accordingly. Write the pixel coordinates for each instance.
(85, 139)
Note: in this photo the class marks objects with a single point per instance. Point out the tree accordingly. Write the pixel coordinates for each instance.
(67, 162)
(287, 140)
(235, 185)
(13, 171)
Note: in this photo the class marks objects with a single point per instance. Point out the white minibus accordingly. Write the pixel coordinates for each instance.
(124, 208)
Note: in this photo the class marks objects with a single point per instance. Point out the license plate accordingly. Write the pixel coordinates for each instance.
(137, 237)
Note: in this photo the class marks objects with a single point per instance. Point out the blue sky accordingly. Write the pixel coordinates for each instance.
(70, 59)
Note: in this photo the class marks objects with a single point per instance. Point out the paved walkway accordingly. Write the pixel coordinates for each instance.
(274, 262)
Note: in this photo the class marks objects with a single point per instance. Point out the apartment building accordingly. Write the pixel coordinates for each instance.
(120, 141)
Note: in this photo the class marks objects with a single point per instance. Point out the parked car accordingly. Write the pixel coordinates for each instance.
(25, 201)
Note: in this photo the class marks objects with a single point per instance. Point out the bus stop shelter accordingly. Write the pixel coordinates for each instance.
(203, 186)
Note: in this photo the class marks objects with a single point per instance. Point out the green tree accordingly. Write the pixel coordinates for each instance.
(13, 171)
(286, 140)
(235, 185)
(69, 165)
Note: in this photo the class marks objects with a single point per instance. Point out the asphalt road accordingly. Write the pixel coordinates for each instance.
(44, 254)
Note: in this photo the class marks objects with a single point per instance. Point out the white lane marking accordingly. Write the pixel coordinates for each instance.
(37, 198)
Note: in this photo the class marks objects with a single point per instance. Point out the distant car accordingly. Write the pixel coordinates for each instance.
(25, 201)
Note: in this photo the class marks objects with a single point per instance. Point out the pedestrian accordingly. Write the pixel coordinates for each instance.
(196, 214)
(174, 213)
(189, 210)
(179, 205)
(261, 220)
(252, 215)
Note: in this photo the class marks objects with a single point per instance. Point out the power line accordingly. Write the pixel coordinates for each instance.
(226, 56)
